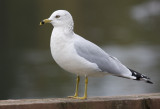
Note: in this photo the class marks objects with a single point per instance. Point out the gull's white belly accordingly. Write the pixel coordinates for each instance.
(66, 56)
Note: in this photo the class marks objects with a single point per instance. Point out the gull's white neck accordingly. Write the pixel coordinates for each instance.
(60, 38)
(63, 30)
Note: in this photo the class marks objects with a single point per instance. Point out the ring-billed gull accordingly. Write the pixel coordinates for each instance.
(80, 56)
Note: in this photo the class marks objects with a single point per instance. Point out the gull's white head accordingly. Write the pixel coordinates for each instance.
(59, 18)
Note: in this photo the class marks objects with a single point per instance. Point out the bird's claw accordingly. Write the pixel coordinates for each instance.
(76, 97)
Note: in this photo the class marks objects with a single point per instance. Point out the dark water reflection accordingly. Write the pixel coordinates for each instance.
(128, 30)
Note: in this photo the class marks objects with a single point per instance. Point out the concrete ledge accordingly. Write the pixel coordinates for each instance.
(145, 101)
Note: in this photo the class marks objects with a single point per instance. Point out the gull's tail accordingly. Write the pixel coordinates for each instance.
(140, 76)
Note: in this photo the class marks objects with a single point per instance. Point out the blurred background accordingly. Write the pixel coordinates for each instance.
(128, 30)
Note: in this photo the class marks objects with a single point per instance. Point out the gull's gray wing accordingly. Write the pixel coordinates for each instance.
(95, 54)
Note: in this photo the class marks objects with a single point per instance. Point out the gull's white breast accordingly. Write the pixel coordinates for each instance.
(65, 55)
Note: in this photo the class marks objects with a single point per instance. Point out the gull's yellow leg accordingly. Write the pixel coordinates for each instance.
(77, 86)
(85, 92)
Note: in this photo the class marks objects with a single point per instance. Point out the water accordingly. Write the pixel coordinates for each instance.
(128, 32)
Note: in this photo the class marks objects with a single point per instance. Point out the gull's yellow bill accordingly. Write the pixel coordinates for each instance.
(45, 21)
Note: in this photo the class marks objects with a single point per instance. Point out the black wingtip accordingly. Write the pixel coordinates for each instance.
(140, 76)
(150, 82)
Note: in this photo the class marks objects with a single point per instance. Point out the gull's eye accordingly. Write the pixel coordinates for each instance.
(57, 16)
